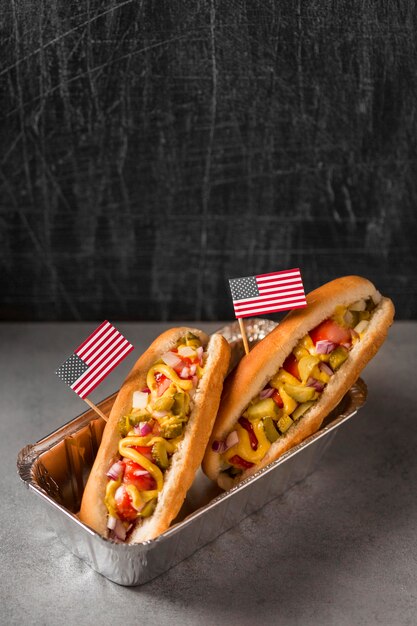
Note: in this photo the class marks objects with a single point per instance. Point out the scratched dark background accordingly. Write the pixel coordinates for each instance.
(150, 150)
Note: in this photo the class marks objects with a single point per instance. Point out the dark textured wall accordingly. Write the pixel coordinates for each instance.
(150, 150)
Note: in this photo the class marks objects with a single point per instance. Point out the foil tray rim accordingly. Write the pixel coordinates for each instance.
(31, 452)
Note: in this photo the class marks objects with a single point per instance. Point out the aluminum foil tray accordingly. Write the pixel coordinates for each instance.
(56, 469)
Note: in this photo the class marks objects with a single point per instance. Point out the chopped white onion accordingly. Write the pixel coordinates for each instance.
(141, 472)
(193, 369)
(111, 522)
(231, 440)
(119, 493)
(171, 359)
(159, 414)
(360, 305)
(325, 347)
(185, 372)
(186, 351)
(200, 351)
(359, 328)
(140, 399)
(119, 530)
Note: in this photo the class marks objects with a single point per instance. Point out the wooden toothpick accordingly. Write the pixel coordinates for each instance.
(244, 336)
(96, 409)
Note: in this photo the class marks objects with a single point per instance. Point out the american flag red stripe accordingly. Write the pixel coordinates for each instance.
(268, 293)
(102, 351)
(94, 359)
(104, 325)
(99, 372)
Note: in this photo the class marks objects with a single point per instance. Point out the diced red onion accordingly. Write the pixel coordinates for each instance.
(119, 530)
(317, 384)
(146, 390)
(231, 440)
(163, 386)
(193, 369)
(111, 522)
(221, 446)
(324, 367)
(116, 470)
(218, 446)
(185, 372)
(143, 429)
(140, 400)
(159, 414)
(171, 359)
(325, 347)
(266, 393)
(200, 351)
(346, 345)
(186, 351)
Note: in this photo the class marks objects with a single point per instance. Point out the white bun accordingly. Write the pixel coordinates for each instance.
(264, 360)
(187, 458)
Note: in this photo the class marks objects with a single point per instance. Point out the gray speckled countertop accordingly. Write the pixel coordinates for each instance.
(339, 548)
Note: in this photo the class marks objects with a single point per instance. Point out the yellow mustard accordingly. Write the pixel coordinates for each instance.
(109, 500)
(126, 451)
(243, 447)
(186, 385)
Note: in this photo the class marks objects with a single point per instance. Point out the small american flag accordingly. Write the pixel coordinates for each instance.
(96, 357)
(267, 293)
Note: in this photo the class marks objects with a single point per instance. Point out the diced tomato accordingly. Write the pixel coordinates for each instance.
(159, 378)
(291, 366)
(330, 331)
(245, 423)
(277, 398)
(237, 461)
(125, 510)
(145, 450)
(134, 476)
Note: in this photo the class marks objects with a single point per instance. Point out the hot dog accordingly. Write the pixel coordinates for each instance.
(155, 436)
(280, 392)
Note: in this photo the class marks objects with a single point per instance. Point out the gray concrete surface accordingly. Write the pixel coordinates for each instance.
(339, 548)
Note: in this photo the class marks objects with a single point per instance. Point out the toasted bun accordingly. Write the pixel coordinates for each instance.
(265, 359)
(186, 459)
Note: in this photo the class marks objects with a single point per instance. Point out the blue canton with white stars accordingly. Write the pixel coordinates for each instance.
(72, 369)
(243, 288)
